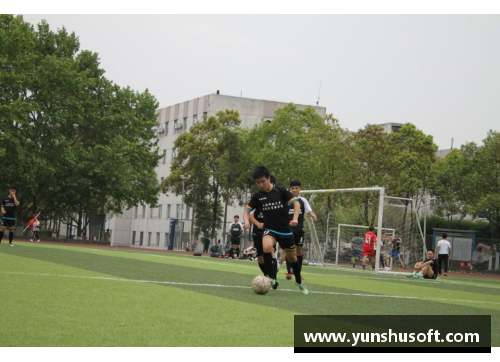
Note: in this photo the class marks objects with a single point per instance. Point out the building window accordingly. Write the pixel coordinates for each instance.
(159, 211)
(151, 212)
(157, 239)
(205, 116)
(166, 128)
(195, 119)
(149, 238)
(185, 124)
(178, 211)
(141, 238)
(135, 212)
(133, 237)
(166, 240)
(143, 211)
(164, 158)
(174, 154)
(187, 212)
(169, 209)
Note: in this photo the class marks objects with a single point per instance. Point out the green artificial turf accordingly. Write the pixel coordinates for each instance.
(55, 295)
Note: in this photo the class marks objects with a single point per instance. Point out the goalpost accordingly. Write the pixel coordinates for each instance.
(341, 211)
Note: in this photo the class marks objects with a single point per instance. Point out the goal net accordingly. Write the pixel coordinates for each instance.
(344, 216)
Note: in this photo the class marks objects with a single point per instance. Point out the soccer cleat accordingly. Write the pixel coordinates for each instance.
(288, 276)
(303, 288)
(445, 274)
(301, 277)
(364, 267)
(11, 245)
(31, 240)
(404, 269)
(274, 283)
(409, 276)
(416, 276)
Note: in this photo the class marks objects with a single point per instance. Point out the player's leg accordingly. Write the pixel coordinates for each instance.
(401, 262)
(268, 247)
(257, 242)
(11, 235)
(236, 250)
(440, 262)
(445, 261)
(2, 231)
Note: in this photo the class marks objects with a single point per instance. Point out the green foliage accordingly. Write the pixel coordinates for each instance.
(71, 140)
(207, 163)
(480, 226)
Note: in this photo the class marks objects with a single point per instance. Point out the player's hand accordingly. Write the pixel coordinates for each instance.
(260, 225)
(315, 218)
(246, 226)
(294, 222)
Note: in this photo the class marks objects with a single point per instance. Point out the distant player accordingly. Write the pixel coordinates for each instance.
(428, 269)
(236, 231)
(357, 248)
(9, 205)
(443, 251)
(298, 231)
(369, 243)
(396, 251)
(274, 201)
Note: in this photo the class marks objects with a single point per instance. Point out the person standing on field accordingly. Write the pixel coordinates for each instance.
(443, 250)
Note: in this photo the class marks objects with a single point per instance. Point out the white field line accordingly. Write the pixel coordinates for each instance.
(388, 278)
(243, 287)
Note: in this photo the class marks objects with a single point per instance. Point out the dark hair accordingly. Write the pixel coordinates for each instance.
(260, 171)
(295, 183)
(356, 233)
(444, 235)
(371, 228)
(432, 251)
(396, 232)
(13, 188)
(236, 216)
(272, 179)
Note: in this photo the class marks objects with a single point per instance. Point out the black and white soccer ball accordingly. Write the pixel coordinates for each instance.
(261, 284)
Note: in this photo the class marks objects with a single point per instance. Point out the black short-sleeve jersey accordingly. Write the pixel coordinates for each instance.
(259, 216)
(274, 207)
(434, 265)
(396, 247)
(9, 206)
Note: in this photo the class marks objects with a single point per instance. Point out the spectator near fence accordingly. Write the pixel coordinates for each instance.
(443, 250)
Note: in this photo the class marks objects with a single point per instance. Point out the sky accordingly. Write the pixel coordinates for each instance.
(439, 72)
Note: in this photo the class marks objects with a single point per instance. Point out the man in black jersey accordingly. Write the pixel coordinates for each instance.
(9, 205)
(236, 230)
(257, 219)
(396, 251)
(298, 231)
(274, 201)
(428, 269)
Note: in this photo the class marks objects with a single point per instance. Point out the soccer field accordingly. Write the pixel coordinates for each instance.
(57, 295)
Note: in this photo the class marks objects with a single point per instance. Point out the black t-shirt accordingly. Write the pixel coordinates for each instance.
(434, 265)
(291, 210)
(395, 245)
(274, 206)
(259, 216)
(236, 230)
(357, 243)
(9, 206)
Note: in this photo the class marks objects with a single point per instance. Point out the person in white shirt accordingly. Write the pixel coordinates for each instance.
(443, 249)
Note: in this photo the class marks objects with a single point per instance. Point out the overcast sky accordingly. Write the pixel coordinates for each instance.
(439, 72)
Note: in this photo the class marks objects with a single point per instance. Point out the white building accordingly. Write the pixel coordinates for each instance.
(146, 227)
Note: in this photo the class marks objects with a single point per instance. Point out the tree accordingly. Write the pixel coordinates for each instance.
(74, 143)
(207, 162)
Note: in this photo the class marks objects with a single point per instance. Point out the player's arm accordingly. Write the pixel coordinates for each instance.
(254, 221)
(308, 209)
(246, 217)
(16, 202)
(296, 213)
(449, 251)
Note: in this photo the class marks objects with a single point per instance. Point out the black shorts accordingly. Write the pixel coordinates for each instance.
(257, 243)
(287, 242)
(298, 237)
(434, 276)
(235, 241)
(10, 223)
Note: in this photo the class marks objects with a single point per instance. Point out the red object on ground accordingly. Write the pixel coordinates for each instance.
(462, 265)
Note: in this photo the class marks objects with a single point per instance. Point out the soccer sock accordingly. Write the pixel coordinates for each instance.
(231, 252)
(237, 252)
(275, 268)
(288, 266)
(268, 260)
(296, 271)
(299, 259)
(11, 236)
(263, 268)
(1, 236)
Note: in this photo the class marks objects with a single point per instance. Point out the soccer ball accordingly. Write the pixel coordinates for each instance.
(387, 268)
(261, 284)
